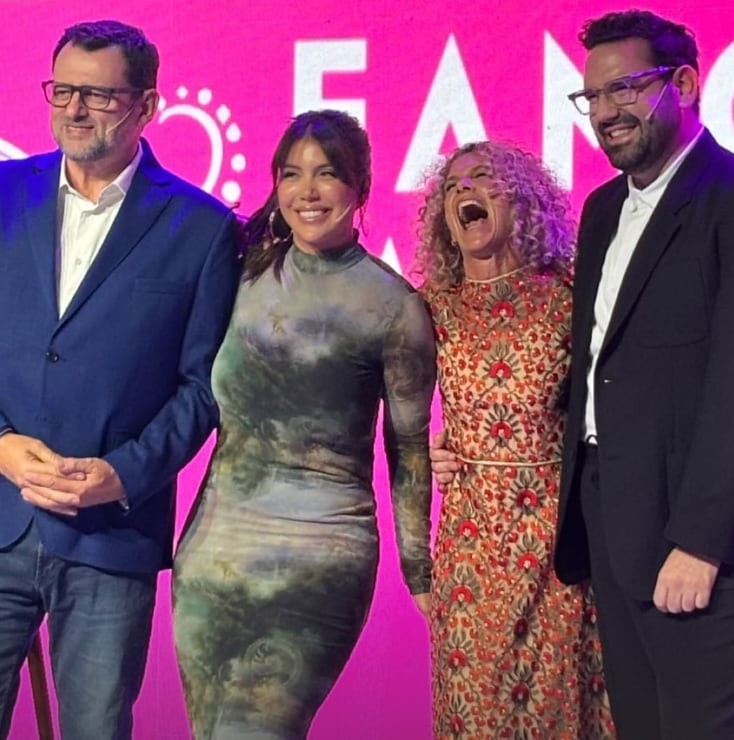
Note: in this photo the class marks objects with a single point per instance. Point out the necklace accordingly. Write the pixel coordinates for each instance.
(496, 277)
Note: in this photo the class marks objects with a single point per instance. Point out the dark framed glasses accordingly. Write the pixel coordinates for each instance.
(59, 94)
(620, 92)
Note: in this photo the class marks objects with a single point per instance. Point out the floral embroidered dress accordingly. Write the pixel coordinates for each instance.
(515, 652)
(275, 573)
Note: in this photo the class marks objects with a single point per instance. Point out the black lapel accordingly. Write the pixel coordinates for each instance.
(598, 228)
(660, 231)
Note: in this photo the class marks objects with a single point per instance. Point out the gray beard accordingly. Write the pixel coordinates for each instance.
(92, 153)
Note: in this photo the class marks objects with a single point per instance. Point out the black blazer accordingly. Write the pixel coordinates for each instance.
(664, 381)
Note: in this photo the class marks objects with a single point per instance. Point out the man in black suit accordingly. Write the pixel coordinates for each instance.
(647, 493)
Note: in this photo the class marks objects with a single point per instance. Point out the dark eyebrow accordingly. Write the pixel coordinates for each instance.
(320, 168)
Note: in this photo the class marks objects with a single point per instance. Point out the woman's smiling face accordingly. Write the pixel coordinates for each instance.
(315, 203)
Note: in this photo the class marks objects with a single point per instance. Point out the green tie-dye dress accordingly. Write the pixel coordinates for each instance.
(275, 572)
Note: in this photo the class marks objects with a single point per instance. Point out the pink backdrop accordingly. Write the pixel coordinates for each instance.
(422, 76)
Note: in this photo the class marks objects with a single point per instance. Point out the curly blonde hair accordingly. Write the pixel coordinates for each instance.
(543, 229)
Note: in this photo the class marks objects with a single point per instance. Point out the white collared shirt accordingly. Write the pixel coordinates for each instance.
(82, 227)
(636, 212)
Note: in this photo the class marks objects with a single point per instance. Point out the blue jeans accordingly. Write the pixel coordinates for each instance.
(99, 627)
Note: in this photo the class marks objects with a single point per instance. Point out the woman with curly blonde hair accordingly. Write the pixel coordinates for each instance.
(515, 653)
(542, 229)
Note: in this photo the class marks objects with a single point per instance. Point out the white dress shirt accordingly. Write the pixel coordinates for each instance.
(636, 212)
(83, 226)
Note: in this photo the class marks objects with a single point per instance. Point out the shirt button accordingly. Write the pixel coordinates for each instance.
(607, 381)
(52, 356)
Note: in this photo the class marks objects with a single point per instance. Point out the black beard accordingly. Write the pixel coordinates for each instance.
(648, 150)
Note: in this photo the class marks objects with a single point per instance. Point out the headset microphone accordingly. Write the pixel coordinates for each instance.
(348, 211)
(121, 121)
(652, 110)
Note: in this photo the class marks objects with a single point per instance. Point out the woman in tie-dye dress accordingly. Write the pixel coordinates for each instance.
(515, 653)
(276, 569)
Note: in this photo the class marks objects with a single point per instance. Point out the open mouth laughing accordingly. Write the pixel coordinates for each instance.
(471, 211)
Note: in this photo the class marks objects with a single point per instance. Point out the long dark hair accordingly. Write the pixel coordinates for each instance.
(266, 236)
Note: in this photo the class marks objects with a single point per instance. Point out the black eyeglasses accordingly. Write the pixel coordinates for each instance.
(59, 94)
(620, 92)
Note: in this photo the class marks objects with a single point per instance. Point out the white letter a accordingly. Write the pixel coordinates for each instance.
(450, 102)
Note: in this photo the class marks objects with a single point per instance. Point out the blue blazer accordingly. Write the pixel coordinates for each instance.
(124, 373)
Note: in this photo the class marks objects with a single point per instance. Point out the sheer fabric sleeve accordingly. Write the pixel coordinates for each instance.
(409, 361)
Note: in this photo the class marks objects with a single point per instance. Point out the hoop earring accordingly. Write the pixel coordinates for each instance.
(275, 239)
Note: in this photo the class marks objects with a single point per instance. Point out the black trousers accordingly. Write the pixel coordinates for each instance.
(669, 677)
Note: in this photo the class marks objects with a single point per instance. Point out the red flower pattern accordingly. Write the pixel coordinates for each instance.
(527, 498)
(457, 658)
(457, 724)
(520, 693)
(527, 560)
(521, 627)
(500, 369)
(515, 652)
(462, 594)
(501, 429)
(503, 309)
(468, 528)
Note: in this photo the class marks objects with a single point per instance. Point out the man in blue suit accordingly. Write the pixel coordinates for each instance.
(116, 284)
